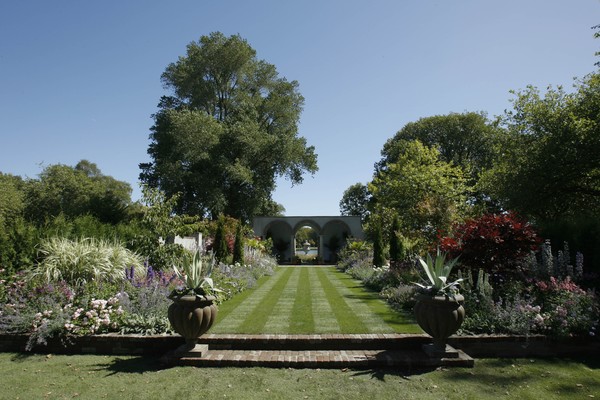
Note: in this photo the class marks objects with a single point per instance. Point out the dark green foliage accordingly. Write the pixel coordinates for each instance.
(307, 234)
(549, 170)
(220, 248)
(228, 130)
(378, 256)
(355, 201)
(396, 249)
(550, 167)
(238, 245)
(582, 234)
(76, 191)
(18, 239)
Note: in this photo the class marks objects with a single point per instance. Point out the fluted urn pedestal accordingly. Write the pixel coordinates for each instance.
(440, 317)
(191, 316)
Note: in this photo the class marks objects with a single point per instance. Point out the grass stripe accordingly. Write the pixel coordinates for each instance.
(400, 322)
(230, 305)
(233, 312)
(323, 316)
(302, 320)
(310, 300)
(282, 314)
(355, 301)
(346, 318)
(255, 321)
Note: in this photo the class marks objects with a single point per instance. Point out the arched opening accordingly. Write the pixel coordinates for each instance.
(280, 233)
(335, 234)
(332, 233)
(307, 245)
(307, 242)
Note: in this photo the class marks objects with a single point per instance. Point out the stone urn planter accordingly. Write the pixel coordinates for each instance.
(191, 316)
(439, 316)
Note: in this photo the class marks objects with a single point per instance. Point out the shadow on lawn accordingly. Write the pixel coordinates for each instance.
(134, 365)
(381, 374)
(554, 374)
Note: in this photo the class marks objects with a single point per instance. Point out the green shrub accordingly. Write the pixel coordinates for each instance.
(355, 253)
(401, 297)
(18, 239)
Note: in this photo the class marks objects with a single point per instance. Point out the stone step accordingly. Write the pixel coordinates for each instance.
(316, 351)
(315, 342)
(355, 359)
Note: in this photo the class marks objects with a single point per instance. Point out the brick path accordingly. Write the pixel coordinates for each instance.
(318, 351)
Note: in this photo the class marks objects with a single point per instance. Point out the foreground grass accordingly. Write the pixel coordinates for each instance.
(103, 377)
(306, 300)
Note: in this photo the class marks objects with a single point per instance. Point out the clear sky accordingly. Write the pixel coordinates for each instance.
(81, 79)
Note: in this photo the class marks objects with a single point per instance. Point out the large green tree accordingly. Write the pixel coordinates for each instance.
(468, 140)
(76, 191)
(355, 201)
(426, 193)
(227, 131)
(550, 167)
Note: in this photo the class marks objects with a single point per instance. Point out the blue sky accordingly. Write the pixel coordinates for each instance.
(81, 79)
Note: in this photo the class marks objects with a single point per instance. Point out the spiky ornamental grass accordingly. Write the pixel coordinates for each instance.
(80, 261)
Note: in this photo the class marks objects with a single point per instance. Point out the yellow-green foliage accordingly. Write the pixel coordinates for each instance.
(84, 260)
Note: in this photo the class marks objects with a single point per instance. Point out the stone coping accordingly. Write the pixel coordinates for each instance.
(476, 346)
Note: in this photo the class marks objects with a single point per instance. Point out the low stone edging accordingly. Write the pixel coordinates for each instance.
(480, 346)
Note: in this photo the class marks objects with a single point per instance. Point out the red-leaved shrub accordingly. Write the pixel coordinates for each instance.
(492, 242)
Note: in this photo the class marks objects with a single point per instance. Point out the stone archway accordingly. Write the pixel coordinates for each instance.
(331, 229)
(316, 228)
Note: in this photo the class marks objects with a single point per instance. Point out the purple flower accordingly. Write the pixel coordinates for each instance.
(150, 273)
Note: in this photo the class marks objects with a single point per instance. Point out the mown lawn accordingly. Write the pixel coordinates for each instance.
(306, 300)
(103, 377)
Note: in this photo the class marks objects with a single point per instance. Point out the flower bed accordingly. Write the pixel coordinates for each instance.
(544, 295)
(137, 304)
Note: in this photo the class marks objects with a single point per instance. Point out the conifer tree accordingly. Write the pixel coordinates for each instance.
(396, 249)
(378, 257)
(220, 248)
(238, 247)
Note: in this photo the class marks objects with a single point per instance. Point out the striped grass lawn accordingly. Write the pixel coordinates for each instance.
(310, 300)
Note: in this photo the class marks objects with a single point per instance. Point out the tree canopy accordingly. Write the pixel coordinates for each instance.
(76, 191)
(355, 201)
(424, 191)
(467, 140)
(550, 166)
(228, 130)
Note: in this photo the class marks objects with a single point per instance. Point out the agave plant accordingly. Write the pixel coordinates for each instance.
(438, 270)
(196, 276)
